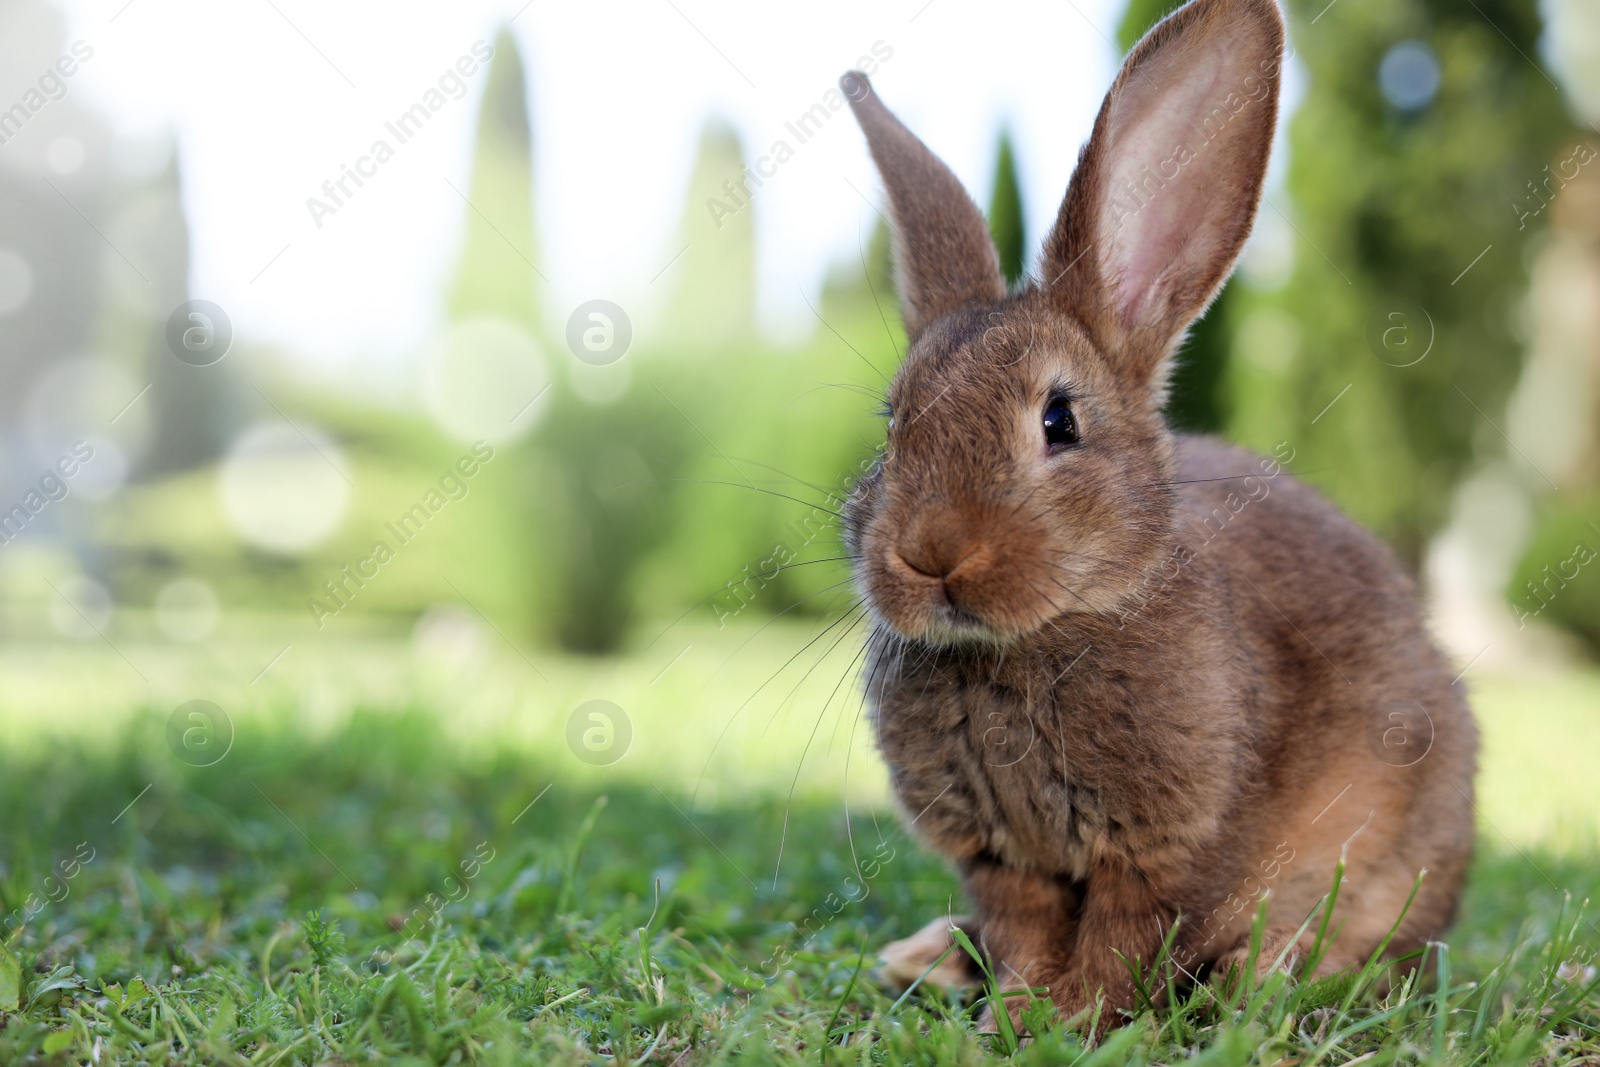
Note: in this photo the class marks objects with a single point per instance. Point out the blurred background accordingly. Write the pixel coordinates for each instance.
(499, 358)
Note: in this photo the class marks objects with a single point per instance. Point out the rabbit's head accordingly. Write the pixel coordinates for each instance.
(1027, 472)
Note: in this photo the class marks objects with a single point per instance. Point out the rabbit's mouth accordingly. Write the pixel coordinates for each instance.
(963, 602)
(955, 625)
(951, 625)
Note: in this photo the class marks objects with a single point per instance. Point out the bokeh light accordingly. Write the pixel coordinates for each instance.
(1409, 75)
(88, 400)
(283, 487)
(187, 609)
(485, 379)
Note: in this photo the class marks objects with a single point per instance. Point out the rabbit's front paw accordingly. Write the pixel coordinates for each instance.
(1017, 1004)
(1276, 953)
(910, 958)
(986, 1018)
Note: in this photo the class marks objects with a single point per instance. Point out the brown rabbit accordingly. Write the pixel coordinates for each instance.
(1122, 675)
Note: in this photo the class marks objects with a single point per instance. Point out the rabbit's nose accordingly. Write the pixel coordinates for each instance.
(934, 543)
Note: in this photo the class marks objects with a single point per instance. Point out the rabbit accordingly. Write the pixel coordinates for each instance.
(1126, 679)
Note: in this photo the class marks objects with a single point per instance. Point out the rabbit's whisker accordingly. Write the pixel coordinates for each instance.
(850, 387)
(736, 485)
(827, 494)
(718, 592)
(729, 659)
(866, 273)
(795, 781)
(840, 336)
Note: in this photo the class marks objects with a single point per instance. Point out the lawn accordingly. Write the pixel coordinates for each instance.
(399, 858)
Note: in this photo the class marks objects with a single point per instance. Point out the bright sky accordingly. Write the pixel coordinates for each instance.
(269, 98)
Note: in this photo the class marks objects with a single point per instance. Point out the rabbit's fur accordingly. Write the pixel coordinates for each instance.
(1142, 675)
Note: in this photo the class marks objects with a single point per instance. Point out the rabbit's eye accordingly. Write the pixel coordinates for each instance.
(1060, 428)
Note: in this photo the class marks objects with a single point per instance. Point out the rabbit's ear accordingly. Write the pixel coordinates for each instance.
(1168, 185)
(943, 251)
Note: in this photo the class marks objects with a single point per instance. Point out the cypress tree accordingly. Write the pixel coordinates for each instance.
(1005, 212)
(1422, 125)
(497, 273)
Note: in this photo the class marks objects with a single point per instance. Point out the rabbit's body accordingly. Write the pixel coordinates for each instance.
(1122, 676)
(1099, 737)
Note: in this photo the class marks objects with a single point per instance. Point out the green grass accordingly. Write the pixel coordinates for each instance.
(375, 887)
